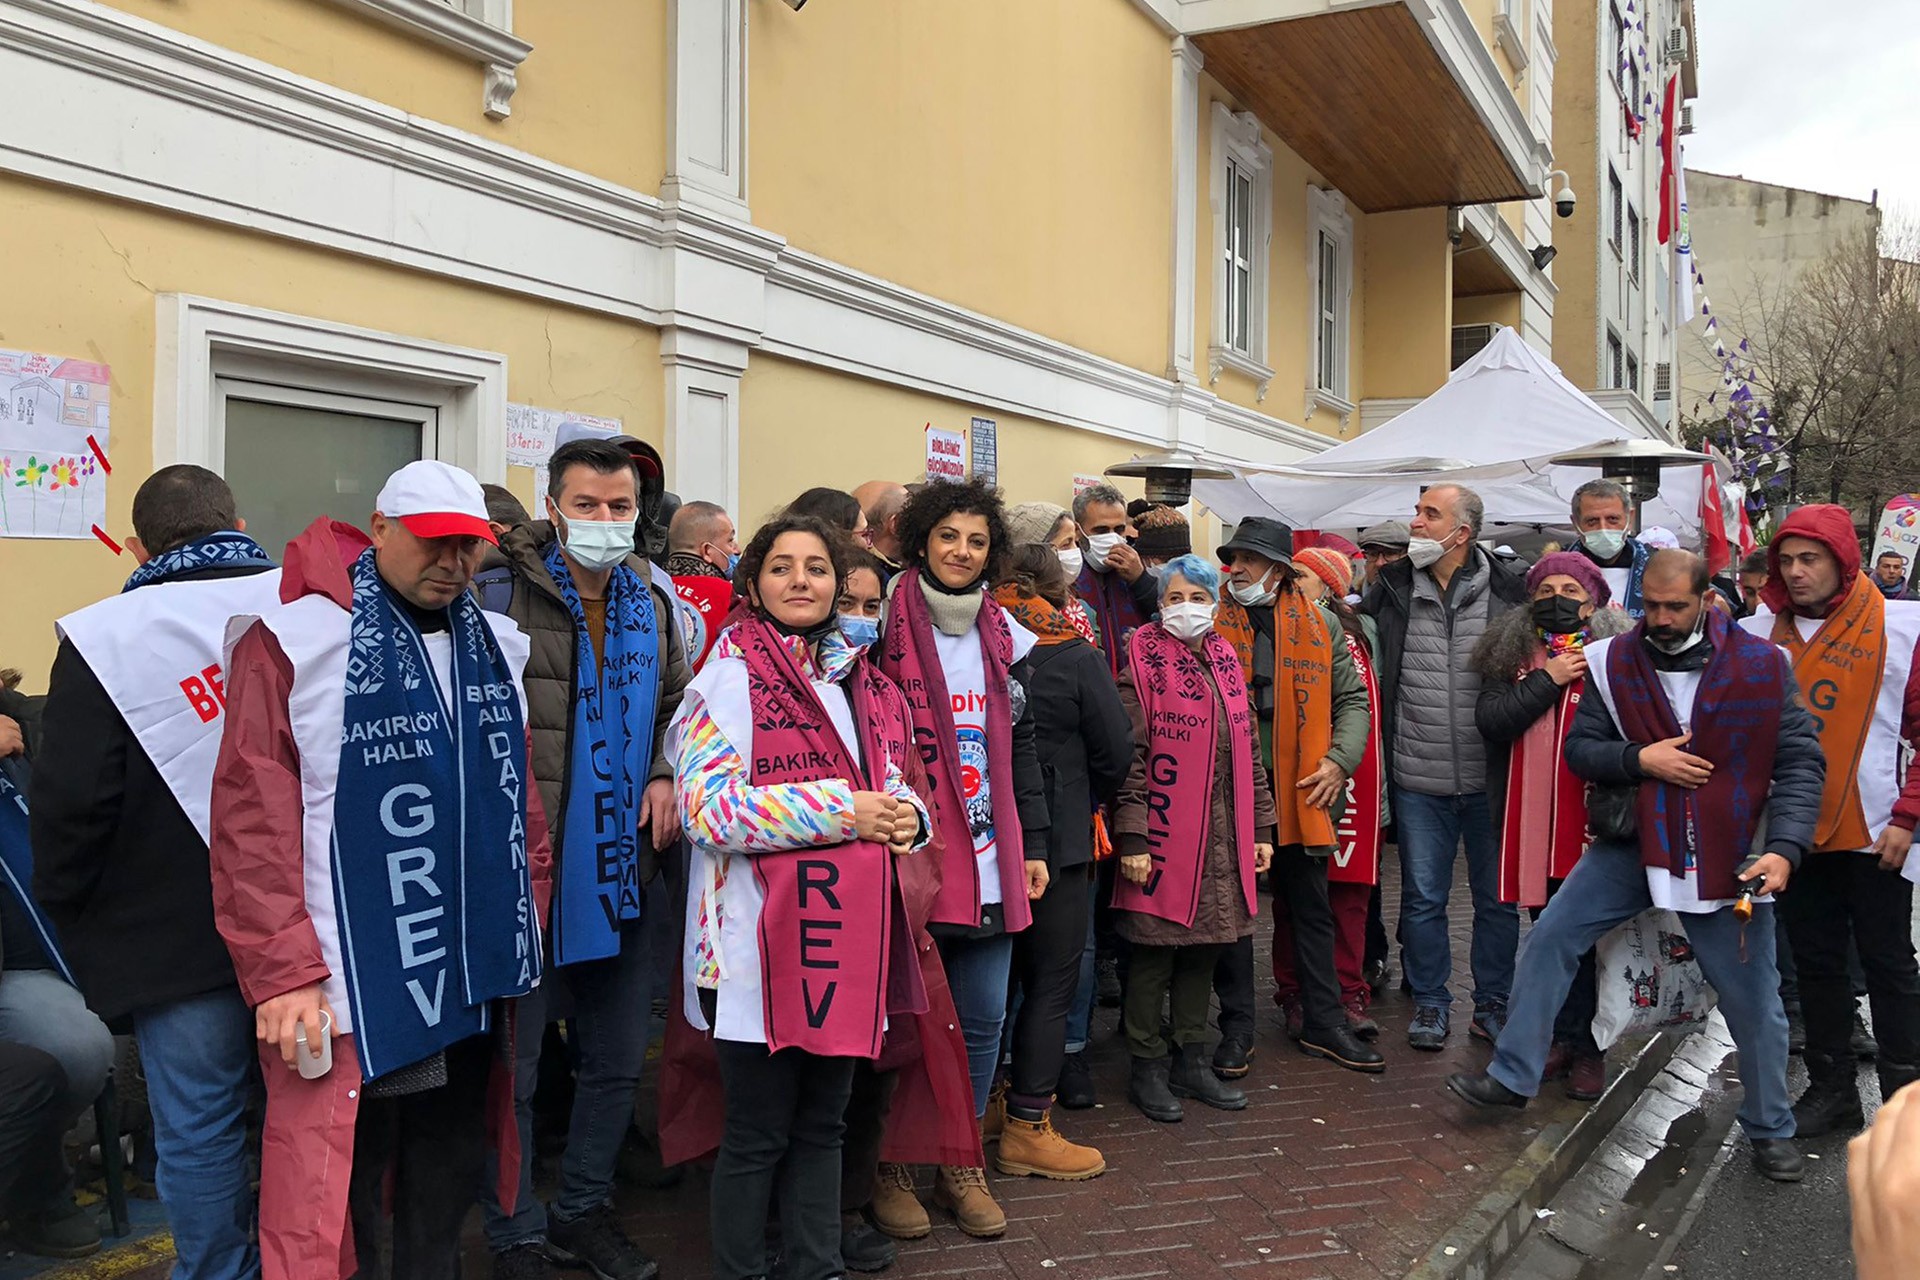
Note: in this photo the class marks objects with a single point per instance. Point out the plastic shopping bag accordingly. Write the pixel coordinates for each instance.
(1649, 978)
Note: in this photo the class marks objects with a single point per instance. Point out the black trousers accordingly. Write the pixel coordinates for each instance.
(33, 1089)
(1829, 892)
(868, 1106)
(435, 1143)
(786, 1117)
(1046, 972)
(1302, 880)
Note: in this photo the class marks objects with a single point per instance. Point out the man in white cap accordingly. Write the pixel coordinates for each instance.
(380, 868)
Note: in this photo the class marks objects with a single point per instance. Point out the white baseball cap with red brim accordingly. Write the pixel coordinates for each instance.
(436, 499)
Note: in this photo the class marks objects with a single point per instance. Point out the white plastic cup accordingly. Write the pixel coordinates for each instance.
(310, 1067)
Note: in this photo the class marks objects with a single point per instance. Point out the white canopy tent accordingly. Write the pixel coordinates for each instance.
(1492, 427)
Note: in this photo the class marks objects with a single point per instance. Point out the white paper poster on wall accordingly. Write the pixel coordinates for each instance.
(530, 435)
(983, 441)
(946, 454)
(53, 446)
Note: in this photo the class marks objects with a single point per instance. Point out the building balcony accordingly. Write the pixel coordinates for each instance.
(1398, 103)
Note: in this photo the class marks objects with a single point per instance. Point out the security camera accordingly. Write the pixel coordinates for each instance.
(1563, 202)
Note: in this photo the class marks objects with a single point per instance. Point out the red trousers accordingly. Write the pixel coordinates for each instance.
(1349, 903)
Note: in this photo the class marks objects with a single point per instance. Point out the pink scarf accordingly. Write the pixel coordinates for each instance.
(1179, 708)
(830, 911)
(1545, 827)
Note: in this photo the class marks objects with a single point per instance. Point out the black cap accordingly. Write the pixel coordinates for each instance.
(1263, 537)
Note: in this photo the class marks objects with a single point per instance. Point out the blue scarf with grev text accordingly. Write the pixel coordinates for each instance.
(430, 872)
(610, 751)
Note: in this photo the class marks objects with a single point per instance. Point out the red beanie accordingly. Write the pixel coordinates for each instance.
(1329, 566)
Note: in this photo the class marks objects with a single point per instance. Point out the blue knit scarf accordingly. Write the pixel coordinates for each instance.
(215, 551)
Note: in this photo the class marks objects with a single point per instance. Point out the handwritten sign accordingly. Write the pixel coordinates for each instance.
(531, 431)
(1083, 482)
(946, 454)
(53, 446)
(985, 439)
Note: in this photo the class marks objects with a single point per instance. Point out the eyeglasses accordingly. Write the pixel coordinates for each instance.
(864, 537)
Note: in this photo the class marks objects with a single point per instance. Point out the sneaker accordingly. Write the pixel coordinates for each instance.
(63, 1231)
(1489, 1020)
(896, 1208)
(1359, 1021)
(1075, 1091)
(1428, 1032)
(522, 1262)
(862, 1248)
(594, 1241)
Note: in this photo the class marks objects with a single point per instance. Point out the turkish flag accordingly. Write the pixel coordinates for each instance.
(1713, 522)
(1669, 153)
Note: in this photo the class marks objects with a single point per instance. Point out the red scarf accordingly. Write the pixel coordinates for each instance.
(908, 656)
(1545, 827)
(830, 911)
(1179, 707)
(1356, 851)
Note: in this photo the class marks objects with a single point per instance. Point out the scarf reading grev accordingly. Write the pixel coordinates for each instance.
(430, 873)
(611, 753)
(1736, 726)
(830, 913)
(1180, 708)
(16, 865)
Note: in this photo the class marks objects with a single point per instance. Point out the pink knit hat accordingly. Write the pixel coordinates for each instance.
(1329, 566)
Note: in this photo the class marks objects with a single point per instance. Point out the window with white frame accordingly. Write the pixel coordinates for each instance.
(1329, 297)
(1633, 244)
(1619, 46)
(1615, 372)
(1633, 372)
(1242, 200)
(1616, 206)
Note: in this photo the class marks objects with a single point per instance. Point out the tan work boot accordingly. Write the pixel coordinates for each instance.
(964, 1193)
(896, 1210)
(1030, 1148)
(995, 1121)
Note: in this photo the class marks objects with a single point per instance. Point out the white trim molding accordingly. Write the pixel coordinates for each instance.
(1328, 215)
(1238, 143)
(707, 105)
(201, 340)
(1186, 198)
(480, 29)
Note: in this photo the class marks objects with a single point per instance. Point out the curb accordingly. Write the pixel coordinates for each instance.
(1488, 1233)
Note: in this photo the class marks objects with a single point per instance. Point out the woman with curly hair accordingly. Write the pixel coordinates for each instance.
(961, 661)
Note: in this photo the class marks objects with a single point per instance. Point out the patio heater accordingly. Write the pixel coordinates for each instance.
(1170, 474)
(1633, 464)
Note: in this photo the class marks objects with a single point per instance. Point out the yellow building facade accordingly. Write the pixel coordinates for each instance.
(311, 238)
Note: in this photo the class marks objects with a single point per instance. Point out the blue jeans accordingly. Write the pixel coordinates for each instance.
(200, 1060)
(1080, 1012)
(1609, 886)
(977, 973)
(1431, 831)
(612, 1003)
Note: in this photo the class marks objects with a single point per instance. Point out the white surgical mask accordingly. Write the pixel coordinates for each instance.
(1187, 621)
(1251, 594)
(599, 544)
(1072, 561)
(1425, 552)
(1605, 543)
(1100, 546)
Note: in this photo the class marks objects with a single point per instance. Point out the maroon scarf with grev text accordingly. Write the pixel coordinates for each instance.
(836, 955)
(1180, 706)
(908, 655)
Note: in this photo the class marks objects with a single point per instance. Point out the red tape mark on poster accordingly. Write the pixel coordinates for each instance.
(101, 534)
(104, 464)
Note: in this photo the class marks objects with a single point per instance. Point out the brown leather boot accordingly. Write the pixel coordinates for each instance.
(964, 1193)
(896, 1209)
(995, 1121)
(1034, 1148)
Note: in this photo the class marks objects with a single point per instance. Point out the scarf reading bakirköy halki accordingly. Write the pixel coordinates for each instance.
(1545, 828)
(610, 754)
(1182, 706)
(1049, 625)
(1302, 715)
(909, 657)
(1840, 670)
(831, 914)
(431, 810)
(1736, 727)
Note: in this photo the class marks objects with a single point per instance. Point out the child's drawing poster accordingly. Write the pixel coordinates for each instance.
(53, 446)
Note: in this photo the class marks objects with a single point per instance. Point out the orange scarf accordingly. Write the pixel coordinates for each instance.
(1302, 684)
(1839, 671)
(1048, 624)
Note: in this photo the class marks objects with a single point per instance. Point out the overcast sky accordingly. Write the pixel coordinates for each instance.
(1820, 94)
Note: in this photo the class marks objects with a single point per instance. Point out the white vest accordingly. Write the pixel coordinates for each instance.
(313, 633)
(157, 651)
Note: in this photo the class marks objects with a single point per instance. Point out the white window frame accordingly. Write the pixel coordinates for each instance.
(206, 347)
(1329, 216)
(1635, 230)
(482, 30)
(1237, 141)
(1632, 379)
(1616, 209)
(1613, 357)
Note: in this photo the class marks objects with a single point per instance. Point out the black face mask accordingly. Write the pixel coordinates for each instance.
(1558, 614)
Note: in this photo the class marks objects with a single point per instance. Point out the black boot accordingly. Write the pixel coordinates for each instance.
(1193, 1077)
(1148, 1091)
(1796, 1030)
(1832, 1102)
(1778, 1159)
(1895, 1076)
(1075, 1091)
(1864, 1046)
(1339, 1044)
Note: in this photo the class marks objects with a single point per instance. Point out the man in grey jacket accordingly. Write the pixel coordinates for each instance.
(1697, 742)
(1432, 609)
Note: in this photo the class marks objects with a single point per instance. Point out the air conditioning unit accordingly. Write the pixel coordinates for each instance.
(1677, 45)
(1663, 381)
(1468, 339)
(1686, 118)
